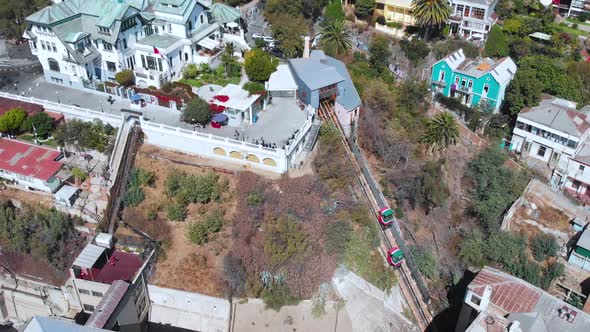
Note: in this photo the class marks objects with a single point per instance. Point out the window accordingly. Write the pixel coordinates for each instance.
(527, 146)
(124, 43)
(43, 45)
(459, 10)
(128, 24)
(53, 65)
(581, 169)
(478, 13)
(475, 299)
(486, 89)
(463, 82)
(148, 30)
(143, 61)
(467, 8)
(169, 27)
(572, 144)
(380, 6)
(111, 66)
(456, 79)
(54, 47)
(541, 151)
(470, 84)
(33, 44)
(576, 184)
(156, 30)
(519, 125)
(88, 307)
(95, 293)
(441, 75)
(84, 291)
(107, 46)
(104, 31)
(190, 25)
(202, 19)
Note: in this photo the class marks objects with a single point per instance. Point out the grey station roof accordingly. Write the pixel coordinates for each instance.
(558, 114)
(89, 256)
(314, 72)
(348, 97)
(584, 240)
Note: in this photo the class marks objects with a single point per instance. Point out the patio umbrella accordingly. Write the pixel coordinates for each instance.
(216, 108)
(135, 98)
(219, 118)
(221, 98)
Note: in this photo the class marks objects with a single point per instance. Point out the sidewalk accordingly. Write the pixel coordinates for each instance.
(94, 100)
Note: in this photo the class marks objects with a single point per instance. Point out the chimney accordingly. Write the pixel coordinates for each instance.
(306, 47)
(485, 298)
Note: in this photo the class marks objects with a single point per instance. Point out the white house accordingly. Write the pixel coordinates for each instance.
(472, 18)
(29, 165)
(556, 133)
(80, 42)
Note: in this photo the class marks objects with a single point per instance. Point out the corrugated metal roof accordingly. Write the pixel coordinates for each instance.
(107, 304)
(555, 113)
(89, 256)
(315, 73)
(347, 97)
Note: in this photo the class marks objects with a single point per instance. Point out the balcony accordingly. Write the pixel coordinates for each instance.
(464, 89)
(440, 83)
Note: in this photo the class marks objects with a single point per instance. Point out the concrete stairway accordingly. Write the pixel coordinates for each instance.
(314, 132)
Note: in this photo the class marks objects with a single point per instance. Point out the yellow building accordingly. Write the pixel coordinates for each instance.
(398, 11)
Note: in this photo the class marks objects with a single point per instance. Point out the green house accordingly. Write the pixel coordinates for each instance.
(476, 82)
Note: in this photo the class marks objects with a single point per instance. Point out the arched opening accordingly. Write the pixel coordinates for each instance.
(252, 158)
(53, 65)
(269, 162)
(235, 154)
(219, 151)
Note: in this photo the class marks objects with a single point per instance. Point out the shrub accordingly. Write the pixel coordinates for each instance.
(497, 43)
(337, 237)
(416, 50)
(381, 20)
(152, 87)
(145, 177)
(255, 198)
(394, 25)
(79, 174)
(285, 239)
(125, 77)
(12, 120)
(176, 212)
(425, 260)
(134, 196)
(553, 271)
(199, 233)
(235, 274)
(254, 87)
(544, 246)
(278, 296)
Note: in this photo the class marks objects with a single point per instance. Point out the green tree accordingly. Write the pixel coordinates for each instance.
(544, 246)
(79, 174)
(441, 131)
(554, 270)
(259, 65)
(40, 123)
(279, 7)
(287, 30)
(278, 296)
(228, 59)
(497, 43)
(364, 8)
(13, 14)
(415, 50)
(379, 53)
(333, 13)
(553, 75)
(431, 187)
(125, 77)
(430, 14)
(197, 111)
(336, 39)
(12, 120)
(525, 91)
(472, 249)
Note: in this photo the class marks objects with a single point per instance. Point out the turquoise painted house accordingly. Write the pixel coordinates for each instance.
(476, 82)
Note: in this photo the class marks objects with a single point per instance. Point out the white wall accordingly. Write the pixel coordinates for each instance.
(89, 286)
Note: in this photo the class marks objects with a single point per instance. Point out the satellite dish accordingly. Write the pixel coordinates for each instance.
(546, 3)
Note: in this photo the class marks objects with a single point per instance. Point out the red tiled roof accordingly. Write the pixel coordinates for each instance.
(509, 293)
(57, 117)
(28, 160)
(121, 266)
(8, 104)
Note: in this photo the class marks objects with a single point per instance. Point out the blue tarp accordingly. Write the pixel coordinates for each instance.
(135, 98)
(219, 118)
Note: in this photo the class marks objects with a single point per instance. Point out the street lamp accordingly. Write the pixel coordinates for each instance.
(101, 108)
(242, 134)
(16, 87)
(57, 94)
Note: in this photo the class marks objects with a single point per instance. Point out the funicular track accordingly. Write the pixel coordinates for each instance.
(119, 187)
(411, 284)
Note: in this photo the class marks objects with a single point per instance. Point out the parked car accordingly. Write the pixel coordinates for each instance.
(268, 39)
(276, 52)
(256, 35)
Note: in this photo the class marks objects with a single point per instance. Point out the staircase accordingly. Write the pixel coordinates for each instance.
(314, 131)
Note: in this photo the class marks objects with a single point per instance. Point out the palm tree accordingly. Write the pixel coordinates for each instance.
(227, 58)
(430, 13)
(441, 131)
(336, 39)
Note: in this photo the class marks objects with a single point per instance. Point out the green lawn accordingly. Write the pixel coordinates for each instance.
(570, 30)
(571, 20)
(31, 138)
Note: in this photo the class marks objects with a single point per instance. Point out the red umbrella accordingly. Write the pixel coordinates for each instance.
(221, 98)
(216, 108)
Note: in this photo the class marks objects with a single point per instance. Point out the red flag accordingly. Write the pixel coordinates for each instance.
(156, 51)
